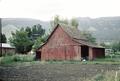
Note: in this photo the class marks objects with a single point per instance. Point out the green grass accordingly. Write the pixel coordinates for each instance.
(16, 58)
(19, 58)
(80, 62)
(108, 76)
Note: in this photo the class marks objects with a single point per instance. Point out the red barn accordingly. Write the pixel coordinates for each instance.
(66, 43)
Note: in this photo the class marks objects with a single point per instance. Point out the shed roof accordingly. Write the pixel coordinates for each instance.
(87, 43)
(6, 45)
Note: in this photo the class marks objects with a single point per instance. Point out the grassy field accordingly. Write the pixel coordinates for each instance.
(18, 58)
(107, 76)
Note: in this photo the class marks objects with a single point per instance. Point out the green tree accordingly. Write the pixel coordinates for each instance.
(21, 41)
(24, 39)
(34, 29)
(56, 20)
(3, 38)
(116, 46)
(29, 31)
(65, 21)
(105, 45)
(0, 24)
(39, 41)
(74, 22)
(37, 31)
(40, 30)
(37, 35)
(88, 36)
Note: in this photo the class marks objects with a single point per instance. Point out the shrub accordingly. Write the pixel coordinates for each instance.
(117, 53)
(108, 76)
(16, 58)
(28, 58)
(6, 59)
(7, 54)
(98, 77)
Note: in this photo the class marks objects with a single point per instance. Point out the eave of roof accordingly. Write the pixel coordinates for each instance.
(87, 43)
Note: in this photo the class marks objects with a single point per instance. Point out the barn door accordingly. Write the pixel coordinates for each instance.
(38, 55)
(85, 52)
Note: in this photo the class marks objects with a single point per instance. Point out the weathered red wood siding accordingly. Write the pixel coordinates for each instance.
(60, 47)
(98, 52)
(90, 53)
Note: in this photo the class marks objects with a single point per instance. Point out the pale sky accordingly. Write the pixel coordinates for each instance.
(46, 9)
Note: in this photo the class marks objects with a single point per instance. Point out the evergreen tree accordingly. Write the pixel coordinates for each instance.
(56, 20)
(74, 23)
(116, 46)
(29, 31)
(88, 36)
(3, 38)
(37, 31)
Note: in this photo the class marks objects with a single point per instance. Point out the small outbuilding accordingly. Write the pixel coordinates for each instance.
(66, 43)
(6, 48)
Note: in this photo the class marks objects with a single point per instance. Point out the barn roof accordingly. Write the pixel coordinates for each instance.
(75, 34)
(5, 45)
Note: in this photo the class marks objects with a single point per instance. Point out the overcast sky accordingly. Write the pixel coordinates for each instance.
(47, 9)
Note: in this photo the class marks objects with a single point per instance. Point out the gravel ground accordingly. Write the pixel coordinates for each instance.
(52, 72)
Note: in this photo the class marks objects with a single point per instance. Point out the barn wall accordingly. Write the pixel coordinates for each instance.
(60, 47)
(77, 52)
(60, 53)
(98, 52)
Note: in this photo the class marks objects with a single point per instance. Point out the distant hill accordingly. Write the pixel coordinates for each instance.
(23, 22)
(104, 28)
(8, 29)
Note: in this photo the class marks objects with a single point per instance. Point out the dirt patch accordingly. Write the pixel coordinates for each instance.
(53, 72)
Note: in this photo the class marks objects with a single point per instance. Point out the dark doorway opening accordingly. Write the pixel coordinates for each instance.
(85, 52)
(38, 55)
